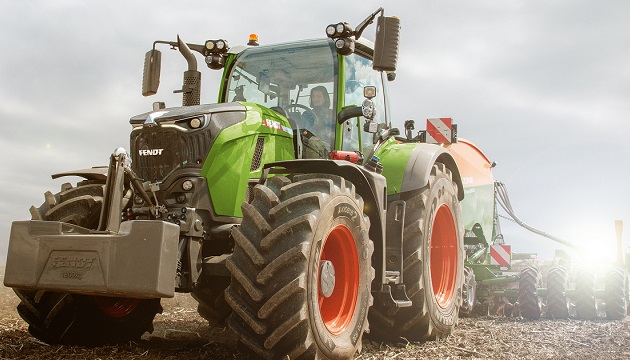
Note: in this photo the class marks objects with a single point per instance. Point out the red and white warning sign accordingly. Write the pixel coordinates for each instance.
(439, 130)
(500, 255)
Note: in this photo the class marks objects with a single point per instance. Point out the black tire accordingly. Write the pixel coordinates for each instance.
(585, 300)
(529, 303)
(616, 293)
(211, 299)
(63, 318)
(469, 291)
(433, 275)
(557, 302)
(289, 232)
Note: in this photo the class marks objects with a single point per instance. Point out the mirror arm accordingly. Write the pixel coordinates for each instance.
(370, 19)
(195, 47)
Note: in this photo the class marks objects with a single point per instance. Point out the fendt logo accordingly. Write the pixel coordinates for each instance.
(150, 152)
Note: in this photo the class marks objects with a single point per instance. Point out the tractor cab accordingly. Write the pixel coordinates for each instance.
(310, 84)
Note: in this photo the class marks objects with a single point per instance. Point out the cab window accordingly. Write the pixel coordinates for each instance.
(358, 74)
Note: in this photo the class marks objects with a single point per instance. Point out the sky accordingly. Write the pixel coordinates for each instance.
(541, 87)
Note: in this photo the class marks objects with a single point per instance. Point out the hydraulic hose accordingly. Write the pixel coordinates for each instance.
(501, 194)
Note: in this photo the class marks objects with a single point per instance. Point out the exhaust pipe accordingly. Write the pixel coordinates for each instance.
(191, 88)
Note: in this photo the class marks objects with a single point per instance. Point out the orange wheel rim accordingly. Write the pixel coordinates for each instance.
(116, 307)
(443, 256)
(337, 309)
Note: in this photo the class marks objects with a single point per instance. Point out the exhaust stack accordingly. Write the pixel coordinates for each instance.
(191, 88)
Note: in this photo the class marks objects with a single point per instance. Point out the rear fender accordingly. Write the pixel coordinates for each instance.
(417, 169)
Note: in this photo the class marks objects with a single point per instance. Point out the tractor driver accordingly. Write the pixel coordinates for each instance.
(318, 121)
(319, 102)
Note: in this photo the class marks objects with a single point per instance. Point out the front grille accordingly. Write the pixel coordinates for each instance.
(157, 151)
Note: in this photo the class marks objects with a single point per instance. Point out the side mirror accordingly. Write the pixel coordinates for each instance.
(386, 44)
(151, 72)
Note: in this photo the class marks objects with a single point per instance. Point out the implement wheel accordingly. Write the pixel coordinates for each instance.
(557, 302)
(529, 302)
(616, 293)
(468, 293)
(434, 255)
(585, 301)
(63, 318)
(301, 270)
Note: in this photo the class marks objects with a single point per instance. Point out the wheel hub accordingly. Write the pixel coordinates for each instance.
(326, 278)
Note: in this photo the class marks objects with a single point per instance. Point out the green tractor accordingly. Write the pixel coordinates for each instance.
(296, 220)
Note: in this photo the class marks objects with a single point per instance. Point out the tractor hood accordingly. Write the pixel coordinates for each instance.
(185, 112)
(165, 140)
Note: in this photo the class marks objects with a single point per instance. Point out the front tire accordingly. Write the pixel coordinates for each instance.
(301, 270)
(210, 296)
(63, 318)
(433, 252)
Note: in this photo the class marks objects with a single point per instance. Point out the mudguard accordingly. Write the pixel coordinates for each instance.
(95, 173)
(407, 166)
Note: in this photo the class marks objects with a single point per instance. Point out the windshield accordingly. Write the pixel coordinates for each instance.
(296, 78)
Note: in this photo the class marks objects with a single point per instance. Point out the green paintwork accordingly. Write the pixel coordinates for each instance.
(227, 166)
(340, 83)
(394, 158)
(229, 59)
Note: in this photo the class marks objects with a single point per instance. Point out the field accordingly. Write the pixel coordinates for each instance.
(181, 334)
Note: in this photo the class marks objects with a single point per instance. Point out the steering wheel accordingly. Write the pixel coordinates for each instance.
(305, 111)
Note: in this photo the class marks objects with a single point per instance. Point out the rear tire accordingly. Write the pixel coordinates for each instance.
(616, 293)
(529, 302)
(557, 303)
(585, 301)
(63, 318)
(433, 252)
(295, 238)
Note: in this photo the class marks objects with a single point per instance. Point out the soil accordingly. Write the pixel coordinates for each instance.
(180, 333)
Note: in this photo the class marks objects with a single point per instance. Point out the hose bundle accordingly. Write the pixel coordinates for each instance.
(501, 194)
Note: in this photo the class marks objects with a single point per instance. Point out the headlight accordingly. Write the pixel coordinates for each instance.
(345, 46)
(331, 31)
(369, 92)
(187, 185)
(367, 108)
(195, 123)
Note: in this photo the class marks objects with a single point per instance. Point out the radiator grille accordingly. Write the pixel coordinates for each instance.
(157, 151)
